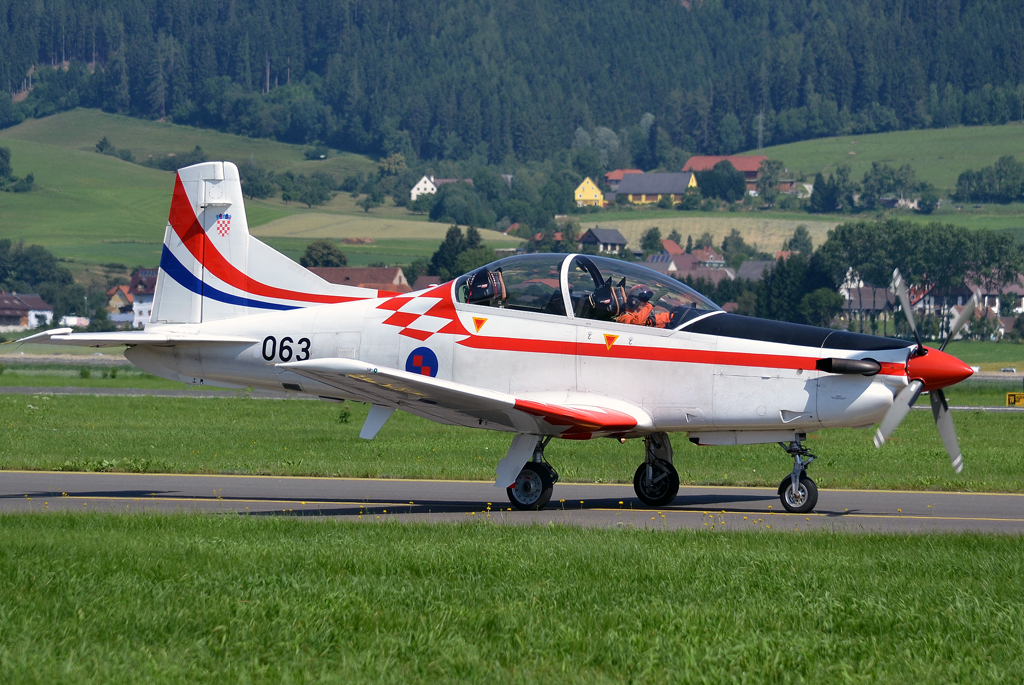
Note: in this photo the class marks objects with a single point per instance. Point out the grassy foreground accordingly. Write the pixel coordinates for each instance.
(229, 435)
(225, 599)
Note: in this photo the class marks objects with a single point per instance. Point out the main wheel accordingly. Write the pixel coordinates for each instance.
(659, 490)
(803, 500)
(532, 489)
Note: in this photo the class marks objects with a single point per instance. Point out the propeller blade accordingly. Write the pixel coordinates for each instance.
(900, 286)
(962, 318)
(944, 422)
(898, 411)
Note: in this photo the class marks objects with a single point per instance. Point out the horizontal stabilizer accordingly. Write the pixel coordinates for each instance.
(64, 336)
(455, 403)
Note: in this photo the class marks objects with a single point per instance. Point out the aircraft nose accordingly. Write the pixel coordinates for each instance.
(937, 369)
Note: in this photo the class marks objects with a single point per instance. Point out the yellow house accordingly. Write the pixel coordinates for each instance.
(589, 194)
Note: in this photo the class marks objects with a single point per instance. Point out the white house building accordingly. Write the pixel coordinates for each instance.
(424, 186)
(142, 288)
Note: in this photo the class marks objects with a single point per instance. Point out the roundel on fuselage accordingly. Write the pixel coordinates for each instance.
(422, 361)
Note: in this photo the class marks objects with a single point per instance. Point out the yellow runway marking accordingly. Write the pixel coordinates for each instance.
(365, 505)
(225, 500)
(682, 488)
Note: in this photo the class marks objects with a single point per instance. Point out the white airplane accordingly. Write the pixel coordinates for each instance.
(542, 345)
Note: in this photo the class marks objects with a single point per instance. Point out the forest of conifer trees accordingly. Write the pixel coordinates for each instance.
(451, 79)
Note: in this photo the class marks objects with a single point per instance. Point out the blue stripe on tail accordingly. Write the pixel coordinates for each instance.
(176, 270)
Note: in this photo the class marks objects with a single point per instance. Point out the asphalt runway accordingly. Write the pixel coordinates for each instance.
(378, 500)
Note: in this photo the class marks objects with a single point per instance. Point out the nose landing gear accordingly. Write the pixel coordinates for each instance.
(534, 484)
(656, 481)
(797, 491)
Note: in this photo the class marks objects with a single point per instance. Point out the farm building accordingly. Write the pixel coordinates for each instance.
(750, 167)
(603, 240)
(648, 188)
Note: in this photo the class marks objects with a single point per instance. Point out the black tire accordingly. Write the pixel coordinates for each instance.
(532, 489)
(807, 499)
(665, 486)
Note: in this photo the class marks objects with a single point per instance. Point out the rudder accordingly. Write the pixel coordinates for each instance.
(211, 268)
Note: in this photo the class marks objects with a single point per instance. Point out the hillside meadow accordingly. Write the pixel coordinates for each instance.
(937, 155)
(92, 209)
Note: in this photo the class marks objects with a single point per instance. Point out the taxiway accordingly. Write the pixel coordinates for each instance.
(375, 500)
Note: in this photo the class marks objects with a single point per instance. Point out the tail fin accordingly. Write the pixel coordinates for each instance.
(211, 268)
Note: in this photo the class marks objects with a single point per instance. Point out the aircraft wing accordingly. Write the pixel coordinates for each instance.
(64, 336)
(465, 405)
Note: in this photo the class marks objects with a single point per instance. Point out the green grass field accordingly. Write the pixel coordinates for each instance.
(84, 376)
(109, 599)
(81, 129)
(229, 435)
(937, 155)
(93, 209)
(763, 229)
(987, 352)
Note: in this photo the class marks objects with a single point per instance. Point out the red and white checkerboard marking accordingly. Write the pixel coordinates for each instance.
(423, 316)
(223, 226)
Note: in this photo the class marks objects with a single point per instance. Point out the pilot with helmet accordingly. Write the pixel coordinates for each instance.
(640, 311)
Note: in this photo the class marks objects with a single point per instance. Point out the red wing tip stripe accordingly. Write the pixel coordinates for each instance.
(585, 419)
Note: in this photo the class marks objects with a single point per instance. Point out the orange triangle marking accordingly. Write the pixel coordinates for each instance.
(609, 340)
(479, 323)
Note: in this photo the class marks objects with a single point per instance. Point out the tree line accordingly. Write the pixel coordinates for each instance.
(944, 258)
(641, 84)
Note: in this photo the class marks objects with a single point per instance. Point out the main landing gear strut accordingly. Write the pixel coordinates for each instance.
(656, 481)
(533, 486)
(798, 493)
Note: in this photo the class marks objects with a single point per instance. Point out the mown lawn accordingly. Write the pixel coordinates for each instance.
(987, 354)
(106, 598)
(238, 435)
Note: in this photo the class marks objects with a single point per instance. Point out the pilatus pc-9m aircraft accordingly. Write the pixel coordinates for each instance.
(539, 346)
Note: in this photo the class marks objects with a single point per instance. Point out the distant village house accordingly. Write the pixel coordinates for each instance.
(428, 185)
(120, 306)
(602, 240)
(20, 312)
(387, 278)
(614, 178)
(142, 287)
(649, 188)
(424, 186)
(750, 166)
(588, 194)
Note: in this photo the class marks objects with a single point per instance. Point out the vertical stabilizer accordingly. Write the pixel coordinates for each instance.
(211, 268)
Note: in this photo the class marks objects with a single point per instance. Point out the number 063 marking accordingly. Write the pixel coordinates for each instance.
(284, 351)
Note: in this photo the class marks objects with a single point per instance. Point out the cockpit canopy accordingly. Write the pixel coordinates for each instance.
(588, 287)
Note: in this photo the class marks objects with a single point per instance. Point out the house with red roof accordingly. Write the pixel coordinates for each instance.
(749, 166)
(21, 311)
(142, 288)
(671, 247)
(121, 299)
(388, 278)
(614, 178)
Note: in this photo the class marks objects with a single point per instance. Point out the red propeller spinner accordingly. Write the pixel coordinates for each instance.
(936, 369)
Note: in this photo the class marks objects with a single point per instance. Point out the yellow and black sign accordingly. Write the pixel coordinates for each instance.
(1015, 399)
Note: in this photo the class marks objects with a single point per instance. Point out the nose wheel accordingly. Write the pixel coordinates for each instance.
(656, 481)
(797, 491)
